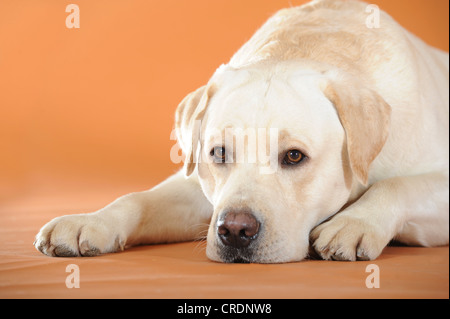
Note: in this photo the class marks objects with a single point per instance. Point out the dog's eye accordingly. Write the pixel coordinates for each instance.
(219, 154)
(293, 157)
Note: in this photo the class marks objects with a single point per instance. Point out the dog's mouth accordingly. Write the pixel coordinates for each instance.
(240, 261)
(238, 256)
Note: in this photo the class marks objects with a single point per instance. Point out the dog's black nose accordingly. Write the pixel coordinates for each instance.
(238, 229)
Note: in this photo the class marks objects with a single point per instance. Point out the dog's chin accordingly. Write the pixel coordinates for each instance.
(239, 256)
(249, 255)
(225, 254)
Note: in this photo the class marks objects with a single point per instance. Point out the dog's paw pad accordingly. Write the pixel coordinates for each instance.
(361, 254)
(88, 251)
(64, 251)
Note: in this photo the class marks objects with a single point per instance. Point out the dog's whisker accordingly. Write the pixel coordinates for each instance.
(201, 226)
(200, 246)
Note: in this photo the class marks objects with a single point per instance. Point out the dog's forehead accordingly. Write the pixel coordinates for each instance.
(268, 98)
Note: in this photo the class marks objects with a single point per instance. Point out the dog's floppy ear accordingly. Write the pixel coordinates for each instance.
(188, 118)
(365, 117)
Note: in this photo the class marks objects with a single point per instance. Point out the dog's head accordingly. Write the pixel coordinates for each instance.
(278, 150)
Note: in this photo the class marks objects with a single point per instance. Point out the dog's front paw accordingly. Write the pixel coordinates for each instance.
(345, 237)
(78, 235)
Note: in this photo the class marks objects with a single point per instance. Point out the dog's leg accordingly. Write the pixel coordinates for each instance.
(411, 209)
(175, 210)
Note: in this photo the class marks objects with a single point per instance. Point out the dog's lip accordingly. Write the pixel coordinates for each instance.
(233, 255)
(240, 260)
(237, 260)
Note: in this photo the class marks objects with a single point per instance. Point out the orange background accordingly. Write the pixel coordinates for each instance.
(92, 108)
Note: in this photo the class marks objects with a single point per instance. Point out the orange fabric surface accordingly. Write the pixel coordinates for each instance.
(183, 271)
(97, 103)
(86, 116)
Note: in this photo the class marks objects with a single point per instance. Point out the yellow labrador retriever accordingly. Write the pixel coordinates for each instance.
(322, 131)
